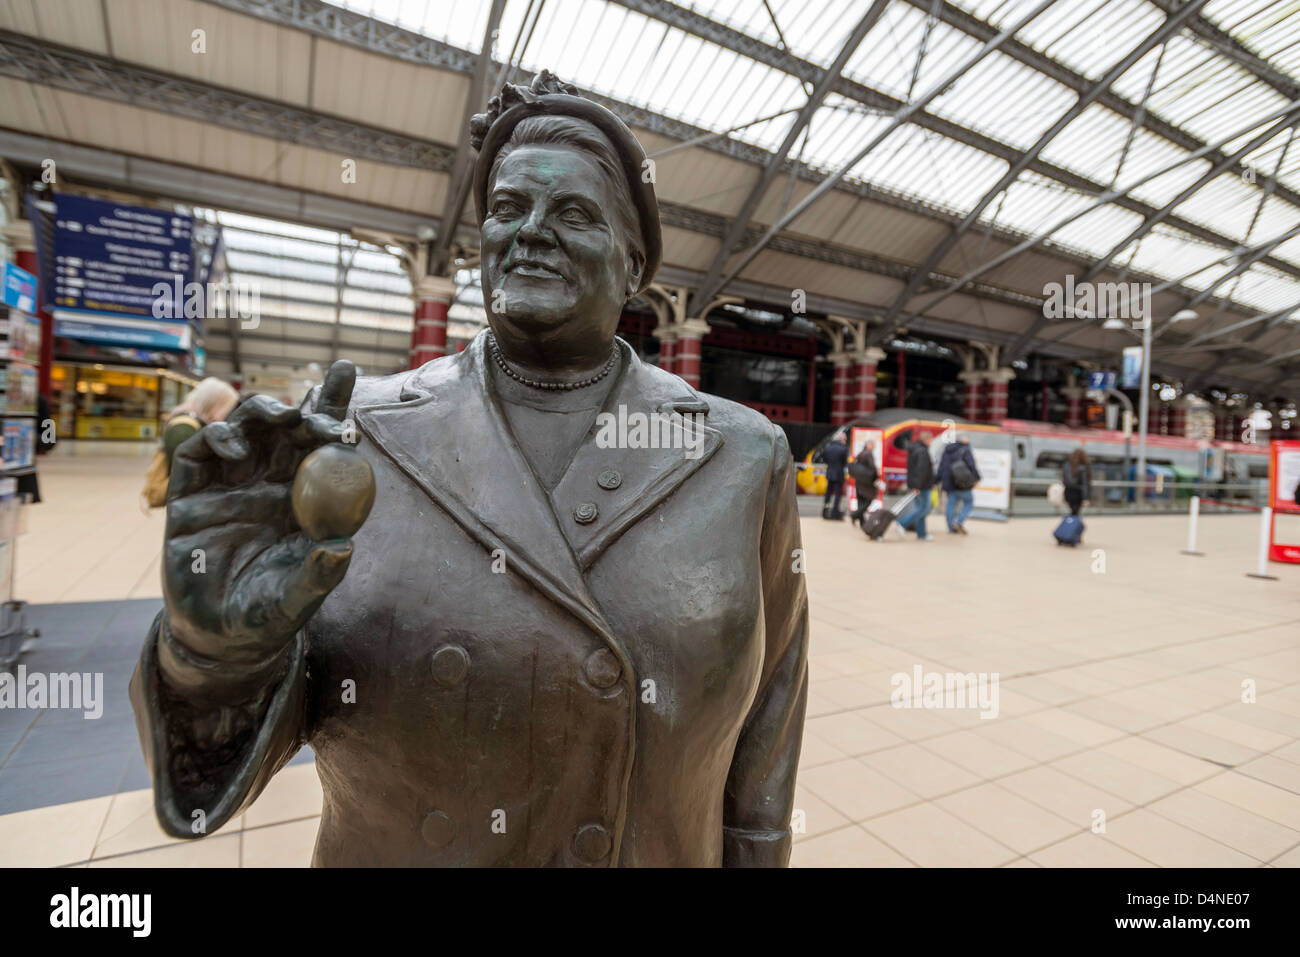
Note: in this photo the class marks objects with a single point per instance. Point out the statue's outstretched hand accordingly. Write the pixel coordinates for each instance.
(240, 576)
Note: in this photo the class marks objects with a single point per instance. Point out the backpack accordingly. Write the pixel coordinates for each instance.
(962, 477)
(155, 480)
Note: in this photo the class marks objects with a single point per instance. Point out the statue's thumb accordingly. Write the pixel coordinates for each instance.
(327, 563)
(323, 567)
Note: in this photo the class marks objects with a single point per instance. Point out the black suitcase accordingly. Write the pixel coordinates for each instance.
(876, 523)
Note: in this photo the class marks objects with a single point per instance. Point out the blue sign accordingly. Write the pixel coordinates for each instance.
(108, 257)
(1101, 380)
(138, 334)
(19, 289)
(1132, 378)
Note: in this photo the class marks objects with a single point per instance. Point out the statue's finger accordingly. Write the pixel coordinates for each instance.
(262, 411)
(336, 392)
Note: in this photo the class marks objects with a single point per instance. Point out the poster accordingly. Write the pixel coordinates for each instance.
(994, 488)
(1288, 475)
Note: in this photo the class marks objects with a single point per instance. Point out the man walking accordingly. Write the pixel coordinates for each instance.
(864, 474)
(958, 476)
(836, 455)
(920, 479)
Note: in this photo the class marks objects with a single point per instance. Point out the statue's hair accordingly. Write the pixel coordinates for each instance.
(583, 135)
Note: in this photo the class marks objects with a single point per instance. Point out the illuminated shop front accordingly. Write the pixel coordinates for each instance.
(100, 401)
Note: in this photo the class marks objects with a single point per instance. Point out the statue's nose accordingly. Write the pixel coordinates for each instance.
(536, 231)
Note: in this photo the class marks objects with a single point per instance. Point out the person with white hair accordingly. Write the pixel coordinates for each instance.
(958, 476)
(210, 401)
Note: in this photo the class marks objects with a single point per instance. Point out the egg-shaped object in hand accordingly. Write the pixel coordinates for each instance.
(333, 491)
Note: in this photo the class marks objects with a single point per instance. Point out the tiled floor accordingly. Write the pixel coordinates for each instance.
(1121, 736)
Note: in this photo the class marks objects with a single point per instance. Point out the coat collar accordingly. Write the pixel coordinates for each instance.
(449, 434)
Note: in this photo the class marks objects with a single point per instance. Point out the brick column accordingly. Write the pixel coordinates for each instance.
(864, 399)
(1074, 396)
(686, 350)
(1176, 422)
(995, 393)
(1156, 418)
(841, 387)
(973, 401)
(667, 337)
(433, 295)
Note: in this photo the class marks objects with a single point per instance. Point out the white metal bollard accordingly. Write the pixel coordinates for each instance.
(1266, 523)
(1193, 513)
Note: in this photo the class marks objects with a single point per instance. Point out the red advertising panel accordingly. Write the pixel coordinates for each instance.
(1283, 486)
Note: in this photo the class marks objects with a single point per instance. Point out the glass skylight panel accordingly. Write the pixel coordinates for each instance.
(886, 59)
(936, 169)
(979, 101)
(1167, 252)
(281, 309)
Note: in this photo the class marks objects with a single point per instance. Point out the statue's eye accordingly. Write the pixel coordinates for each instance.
(575, 216)
(505, 208)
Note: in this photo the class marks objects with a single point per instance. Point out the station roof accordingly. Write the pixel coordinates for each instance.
(1117, 140)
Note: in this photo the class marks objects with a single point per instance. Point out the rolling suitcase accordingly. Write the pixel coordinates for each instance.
(1070, 531)
(876, 523)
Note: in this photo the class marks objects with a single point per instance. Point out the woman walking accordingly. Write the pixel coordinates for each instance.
(1076, 476)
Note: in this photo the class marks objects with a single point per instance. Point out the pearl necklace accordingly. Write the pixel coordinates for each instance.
(551, 384)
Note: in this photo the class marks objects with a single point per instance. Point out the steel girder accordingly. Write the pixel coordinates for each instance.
(738, 42)
(712, 284)
(1168, 28)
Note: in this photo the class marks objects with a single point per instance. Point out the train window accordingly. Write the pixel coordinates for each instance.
(1259, 470)
(1049, 460)
(903, 439)
(1020, 450)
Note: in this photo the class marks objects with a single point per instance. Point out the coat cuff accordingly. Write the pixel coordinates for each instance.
(199, 784)
(742, 848)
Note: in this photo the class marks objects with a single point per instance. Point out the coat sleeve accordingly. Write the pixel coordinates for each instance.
(211, 739)
(760, 787)
(213, 735)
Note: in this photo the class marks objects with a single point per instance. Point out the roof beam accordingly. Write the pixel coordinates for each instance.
(731, 39)
(712, 284)
(899, 118)
(321, 19)
(462, 166)
(974, 27)
(1235, 50)
(1168, 28)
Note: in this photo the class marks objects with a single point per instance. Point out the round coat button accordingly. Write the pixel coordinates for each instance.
(585, 513)
(591, 843)
(437, 829)
(449, 664)
(609, 479)
(602, 668)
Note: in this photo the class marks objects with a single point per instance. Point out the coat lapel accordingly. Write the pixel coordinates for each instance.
(626, 481)
(450, 437)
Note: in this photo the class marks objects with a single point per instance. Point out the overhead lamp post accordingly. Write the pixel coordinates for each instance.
(1144, 395)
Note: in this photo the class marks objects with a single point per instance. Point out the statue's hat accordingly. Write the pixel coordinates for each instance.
(549, 96)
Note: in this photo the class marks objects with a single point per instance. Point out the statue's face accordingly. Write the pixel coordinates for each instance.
(551, 249)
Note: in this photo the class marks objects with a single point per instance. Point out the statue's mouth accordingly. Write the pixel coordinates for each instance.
(535, 270)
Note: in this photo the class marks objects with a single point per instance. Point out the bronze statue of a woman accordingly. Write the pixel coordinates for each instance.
(539, 648)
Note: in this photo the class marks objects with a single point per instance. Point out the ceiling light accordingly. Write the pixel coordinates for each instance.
(1113, 323)
(1184, 314)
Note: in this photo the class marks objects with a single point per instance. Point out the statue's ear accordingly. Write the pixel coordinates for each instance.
(635, 270)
